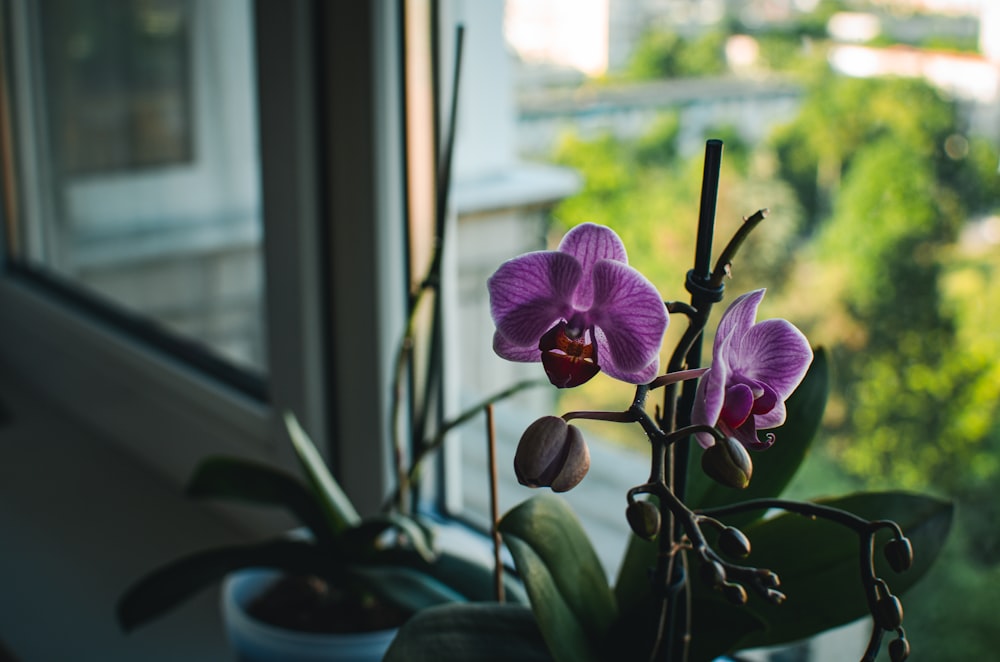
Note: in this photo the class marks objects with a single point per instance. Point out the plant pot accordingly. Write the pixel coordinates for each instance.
(257, 641)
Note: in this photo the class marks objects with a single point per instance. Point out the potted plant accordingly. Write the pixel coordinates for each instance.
(341, 582)
(708, 570)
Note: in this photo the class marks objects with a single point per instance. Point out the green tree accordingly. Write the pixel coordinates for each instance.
(665, 54)
(840, 117)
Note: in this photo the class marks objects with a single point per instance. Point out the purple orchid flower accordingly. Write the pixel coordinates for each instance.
(579, 310)
(755, 367)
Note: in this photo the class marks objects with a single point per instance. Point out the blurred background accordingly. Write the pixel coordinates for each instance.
(870, 131)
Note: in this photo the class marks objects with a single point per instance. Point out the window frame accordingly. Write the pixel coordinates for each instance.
(324, 279)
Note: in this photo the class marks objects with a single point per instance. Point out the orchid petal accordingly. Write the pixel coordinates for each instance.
(505, 349)
(590, 244)
(738, 318)
(530, 293)
(708, 401)
(772, 419)
(774, 353)
(642, 376)
(630, 314)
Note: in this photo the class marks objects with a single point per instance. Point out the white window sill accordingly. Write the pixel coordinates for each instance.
(82, 521)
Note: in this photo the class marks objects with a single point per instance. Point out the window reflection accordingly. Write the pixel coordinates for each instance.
(138, 161)
(118, 83)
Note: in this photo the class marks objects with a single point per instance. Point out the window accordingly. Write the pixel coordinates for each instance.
(870, 131)
(177, 183)
(140, 131)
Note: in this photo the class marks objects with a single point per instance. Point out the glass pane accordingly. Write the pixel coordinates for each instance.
(870, 134)
(139, 168)
(117, 80)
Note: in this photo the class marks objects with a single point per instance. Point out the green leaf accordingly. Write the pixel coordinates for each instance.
(817, 562)
(774, 468)
(405, 587)
(167, 587)
(632, 583)
(360, 540)
(338, 507)
(471, 631)
(471, 576)
(242, 480)
(564, 579)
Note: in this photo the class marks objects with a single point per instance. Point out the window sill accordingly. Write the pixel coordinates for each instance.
(82, 521)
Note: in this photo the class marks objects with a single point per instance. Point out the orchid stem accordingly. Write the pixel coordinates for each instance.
(688, 355)
(430, 283)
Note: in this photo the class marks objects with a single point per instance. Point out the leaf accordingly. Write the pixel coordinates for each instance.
(470, 576)
(817, 562)
(360, 540)
(237, 479)
(405, 587)
(471, 631)
(338, 507)
(172, 584)
(717, 626)
(564, 579)
(632, 583)
(775, 467)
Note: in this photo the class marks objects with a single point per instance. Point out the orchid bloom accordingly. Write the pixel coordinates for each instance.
(755, 367)
(579, 310)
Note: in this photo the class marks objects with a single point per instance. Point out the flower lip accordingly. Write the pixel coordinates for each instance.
(587, 289)
(568, 360)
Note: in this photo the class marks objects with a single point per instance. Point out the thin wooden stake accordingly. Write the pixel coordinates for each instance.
(494, 503)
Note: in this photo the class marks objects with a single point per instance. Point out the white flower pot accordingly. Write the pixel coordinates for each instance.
(256, 641)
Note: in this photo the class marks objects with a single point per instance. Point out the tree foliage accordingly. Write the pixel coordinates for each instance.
(876, 247)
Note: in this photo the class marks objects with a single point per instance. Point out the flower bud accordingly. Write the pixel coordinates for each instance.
(713, 574)
(735, 593)
(888, 612)
(899, 553)
(768, 578)
(775, 596)
(899, 649)
(734, 543)
(728, 462)
(553, 454)
(644, 519)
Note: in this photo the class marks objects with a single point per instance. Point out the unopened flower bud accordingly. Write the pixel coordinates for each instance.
(735, 593)
(713, 574)
(734, 543)
(888, 612)
(899, 553)
(768, 578)
(553, 454)
(775, 597)
(728, 462)
(899, 649)
(644, 519)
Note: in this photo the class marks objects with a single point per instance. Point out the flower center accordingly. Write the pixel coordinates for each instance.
(745, 398)
(569, 360)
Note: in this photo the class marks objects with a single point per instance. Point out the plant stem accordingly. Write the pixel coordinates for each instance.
(430, 283)
(687, 354)
(428, 446)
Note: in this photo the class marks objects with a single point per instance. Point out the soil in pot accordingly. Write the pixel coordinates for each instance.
(310, 604)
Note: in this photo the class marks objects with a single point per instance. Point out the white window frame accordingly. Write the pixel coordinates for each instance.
(334, 259)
